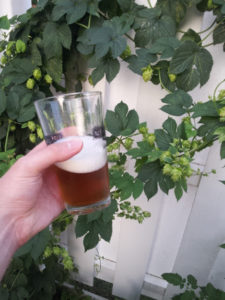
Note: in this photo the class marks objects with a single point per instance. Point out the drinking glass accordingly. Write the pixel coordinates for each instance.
(83, 179)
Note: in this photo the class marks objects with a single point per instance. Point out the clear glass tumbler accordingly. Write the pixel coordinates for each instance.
(83, 179)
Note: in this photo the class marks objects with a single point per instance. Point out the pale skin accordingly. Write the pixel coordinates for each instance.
(29, 196)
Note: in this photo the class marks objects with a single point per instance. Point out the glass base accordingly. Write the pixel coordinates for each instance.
(83, 210)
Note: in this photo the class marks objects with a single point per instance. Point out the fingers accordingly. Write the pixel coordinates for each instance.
(39, 160)
(40, 146)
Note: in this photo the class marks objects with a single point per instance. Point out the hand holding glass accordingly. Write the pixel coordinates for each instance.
(83, 179)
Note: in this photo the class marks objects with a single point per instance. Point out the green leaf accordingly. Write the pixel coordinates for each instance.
(119, 123)
(151, 25)
(193, 281)
(74, 10)
(165, 46)
(35, 55)
(188, 56)
(82, 226)
(2, 101)
(105, 230)
(93, 216)
(178, 191)
(109, 211)
(178, 103)
(163, 140)
(111, 68)
(221, 134)
(4, 294)
(192, 36)
(170, 126)
(18, 71)
(141, 60)
(54, 68)
(137, 188)
(151, 188)
(125, 5)
(51, 41)
(36, 245)
(4, 22)
(149, 171)
(219, 34)
(165, 183)
(188, 80)
(65, 35)
(173, 278)
(26, 113)
(176, 9)
(207, 109)
(91, 240)
(222, 245)
(222, 150)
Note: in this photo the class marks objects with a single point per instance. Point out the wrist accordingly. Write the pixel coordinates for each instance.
(8, 241)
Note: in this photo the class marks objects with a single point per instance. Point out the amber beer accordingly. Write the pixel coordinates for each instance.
(83, 180)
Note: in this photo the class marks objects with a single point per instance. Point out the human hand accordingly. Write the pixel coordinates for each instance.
(30, 197)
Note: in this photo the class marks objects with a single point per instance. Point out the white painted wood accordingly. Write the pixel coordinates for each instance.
(14, 7)
(84, 261)
(135, 244)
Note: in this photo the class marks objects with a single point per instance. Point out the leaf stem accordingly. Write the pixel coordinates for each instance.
(207, 45)
(85, 26)
(203, 31)
(218, 85)
(161, 83)
(149, 3)
(7, 136)
(211, 31)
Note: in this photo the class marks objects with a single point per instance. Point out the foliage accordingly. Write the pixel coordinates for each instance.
(191, 289)
(43, 53)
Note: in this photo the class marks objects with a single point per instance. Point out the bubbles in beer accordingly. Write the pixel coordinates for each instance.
(91, 158)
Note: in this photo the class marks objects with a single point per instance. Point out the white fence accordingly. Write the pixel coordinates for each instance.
(180, 237)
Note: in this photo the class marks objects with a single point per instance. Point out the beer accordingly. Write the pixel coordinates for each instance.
(83, 179)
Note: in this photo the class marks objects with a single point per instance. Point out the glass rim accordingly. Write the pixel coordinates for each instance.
(64, 95)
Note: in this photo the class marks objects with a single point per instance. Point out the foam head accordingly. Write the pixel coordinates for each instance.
(92, 156)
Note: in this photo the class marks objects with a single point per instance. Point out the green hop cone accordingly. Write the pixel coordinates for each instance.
(143, 130)
(172, 77)
(210, 5)
(140, 219)
(221, 95)
(186, 144)
(176, 174)
(110, 148)
(126, 53)
(188, 171)
(37, 74)
(12, 127)
(165, 156)
(40, 133)
(48, 79)
(146, 214)
(20, 46)
(32, 138)
(184, 161)
(90, 80)
(167, 169)
(151, 139)
(56, 250)
(222, 112)
(4, 59)
(147, 73)
(128, 143)
(194, 145)
(8, 52)
(115, 146)
(47, 252)
(113, 157)
(30, 83)
(31, 125)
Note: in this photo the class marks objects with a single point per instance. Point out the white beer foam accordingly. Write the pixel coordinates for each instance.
(92, 156)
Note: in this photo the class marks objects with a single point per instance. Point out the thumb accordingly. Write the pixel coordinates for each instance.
(40, 160)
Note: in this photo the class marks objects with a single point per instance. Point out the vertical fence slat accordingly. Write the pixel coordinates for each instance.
(134, 251)
(83, 260)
